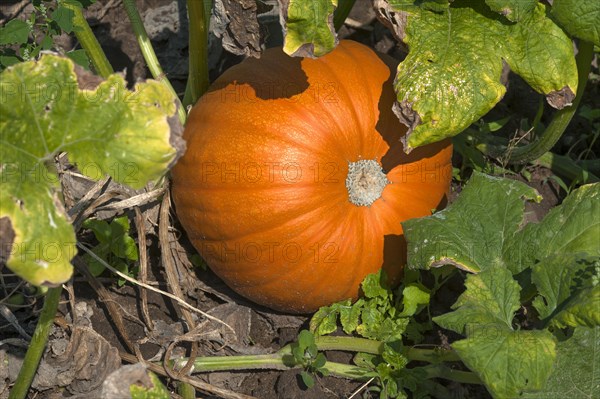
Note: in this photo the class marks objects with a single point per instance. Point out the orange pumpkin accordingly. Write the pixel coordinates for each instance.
(295, 182)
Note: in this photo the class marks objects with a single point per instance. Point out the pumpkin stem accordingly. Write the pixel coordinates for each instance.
(365, 182)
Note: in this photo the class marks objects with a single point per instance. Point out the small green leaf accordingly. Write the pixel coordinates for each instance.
(349, 316)
(122, 244)
(489, 302)
(379, 326)
(509, 362)
(324, 321)
(580, 18)
(412, 296)
(575, 374)
(14, 32)
(306, 339)
(513, 10)
(307, 379)
(104, 129)
(8, 57)
(393, 355)
(64, 18)
(79, 57)
(472, 233)
(319, 361)
(101, 229)
(375, 285)
(308, 27)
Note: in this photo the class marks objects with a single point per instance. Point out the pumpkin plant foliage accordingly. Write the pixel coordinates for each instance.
(48, 108)
(530, 312)
(308, 27)
(451, 76)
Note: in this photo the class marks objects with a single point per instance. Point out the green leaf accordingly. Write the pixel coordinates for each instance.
(324, 321)
(79, 57)
(572, 227)
(307, 379)
(451, 76)
(8, 58)
(489, 303)
(509, 362)
(569, 291)
(64, 18)
(413, 295)
(156, 391)
(575, 373)
(375, 285)
(306, 339)
(580, 18)
(393, 355)
(14, 32)
(101, 229)
(122, 244)
(582, 310)
(319, 361)
(104, 129)
(308, 27)
(349, 316)
(513, 10)
(380, 326)
(472, 233)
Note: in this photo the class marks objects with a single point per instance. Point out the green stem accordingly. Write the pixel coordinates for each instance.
(341, 13)
(561, 119)
(88, 40)
(283, 359)
(186, 391)
(37, 345)
(149, 54)
(198, 52)
(350, 344)
(441, 371)
(565, 166)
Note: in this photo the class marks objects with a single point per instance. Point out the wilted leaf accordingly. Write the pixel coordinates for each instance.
(236, 23)
(451, 76)
(308, 27)
(105, 129)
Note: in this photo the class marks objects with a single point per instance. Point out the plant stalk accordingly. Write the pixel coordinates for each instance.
(88, 40)
(561, 118)
(149, 54)
(283, 359)
(37, 345)
(198, 52)
(341, 13)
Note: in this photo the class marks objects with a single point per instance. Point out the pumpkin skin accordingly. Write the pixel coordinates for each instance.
(261, 190)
